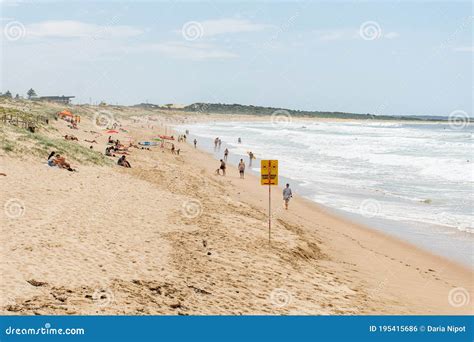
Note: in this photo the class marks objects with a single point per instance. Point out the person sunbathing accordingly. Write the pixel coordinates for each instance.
(91, 141)
(51, 159)
(119, 146)
(121, 149)
(61, 163)
(70, 137)
(108, 151)
(123, 162)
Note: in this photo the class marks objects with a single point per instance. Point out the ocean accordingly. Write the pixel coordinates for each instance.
(411, 180)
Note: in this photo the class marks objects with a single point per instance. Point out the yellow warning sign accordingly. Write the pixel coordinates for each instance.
(269, 172)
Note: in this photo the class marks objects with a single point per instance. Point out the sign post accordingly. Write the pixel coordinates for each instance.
(269, 176)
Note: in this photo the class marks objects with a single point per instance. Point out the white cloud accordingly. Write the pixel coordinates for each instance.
(330, 35)
(11, 3)
(78, 29)
(228, 25)
(464, 49)
(187, 50)
(347, 34)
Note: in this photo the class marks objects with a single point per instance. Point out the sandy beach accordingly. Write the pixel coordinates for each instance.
(169, 236)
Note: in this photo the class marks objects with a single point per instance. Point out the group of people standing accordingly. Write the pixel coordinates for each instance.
(287, 192)
(217, 143)
(223, 166)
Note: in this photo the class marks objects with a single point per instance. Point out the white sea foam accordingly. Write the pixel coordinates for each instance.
(416, 172)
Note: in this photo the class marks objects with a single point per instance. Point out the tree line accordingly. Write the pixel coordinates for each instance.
(30, 93)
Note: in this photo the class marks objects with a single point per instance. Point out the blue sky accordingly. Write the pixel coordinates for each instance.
(395, 57)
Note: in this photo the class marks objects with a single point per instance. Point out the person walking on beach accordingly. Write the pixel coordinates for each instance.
(226, 154)
(222, 167)
(287, 194)
(251, 156)
(216, 141)
(195, 143)
(220, 143)
(241, 168)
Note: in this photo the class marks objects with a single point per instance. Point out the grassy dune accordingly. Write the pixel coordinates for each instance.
(18, 141)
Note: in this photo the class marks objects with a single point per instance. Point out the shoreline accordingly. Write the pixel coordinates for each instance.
(380, 242)
(170, 237)
(409, 232)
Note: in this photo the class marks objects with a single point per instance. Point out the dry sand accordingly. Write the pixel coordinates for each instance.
(170, 237)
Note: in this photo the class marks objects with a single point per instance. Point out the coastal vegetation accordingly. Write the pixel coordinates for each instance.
(222, 108)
